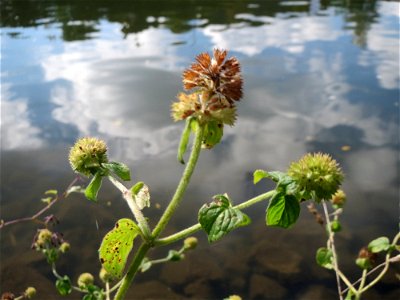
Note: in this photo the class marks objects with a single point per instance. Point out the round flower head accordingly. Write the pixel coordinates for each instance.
(87, 155)
(85, 279)
(216, 83)
(317, 175)
(215, 74)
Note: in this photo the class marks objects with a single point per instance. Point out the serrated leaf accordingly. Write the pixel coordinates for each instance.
(219, 218)
(116, 246)
(93, 188)
(258, 175)
(141, 194)
(184, 140)
(119, 169)
(282, 211)
(324, 258)
(378, 245)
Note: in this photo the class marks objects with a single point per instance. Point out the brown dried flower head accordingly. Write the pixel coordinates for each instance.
(217, 74)
(216, 83)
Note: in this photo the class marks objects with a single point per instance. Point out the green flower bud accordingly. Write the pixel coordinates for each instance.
(318, 175)
(85, 279)
(339, 198)
(30, 292)
(87, 155)
(335, 226)
(43, 238)
(234, 297)
(105, 276)
(366, 259)
(190, 243)
(64, 247)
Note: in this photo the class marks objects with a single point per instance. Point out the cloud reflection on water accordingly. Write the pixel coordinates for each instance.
(121, 89)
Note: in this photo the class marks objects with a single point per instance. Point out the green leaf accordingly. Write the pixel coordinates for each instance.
(141, 194)
(116, 245)
(258, 175)
(64, 286)
(324, 258)
(75, 189)
(137, 187)
(94, 186)
(184, 140)
(51, 192)
(119, 169)
(219, 218)
(283, 210)
(380, 244)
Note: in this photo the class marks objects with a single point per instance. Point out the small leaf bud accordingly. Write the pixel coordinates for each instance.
(105, 276)
(339, 198)
(64, 247)
(85, 279)
(87, 155)
(30, 292)
(190, 243)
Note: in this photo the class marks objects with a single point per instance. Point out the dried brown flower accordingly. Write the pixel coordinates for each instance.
(216, 75)
(216, 83)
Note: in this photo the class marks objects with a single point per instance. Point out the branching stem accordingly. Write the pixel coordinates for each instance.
(142, 222)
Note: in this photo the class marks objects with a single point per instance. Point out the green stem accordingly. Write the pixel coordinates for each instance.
(385, 264)
(362, 283)
(133, 268)
(180, 190)
(193, 229)
(331, 246)
(142, 223)
(176, 199)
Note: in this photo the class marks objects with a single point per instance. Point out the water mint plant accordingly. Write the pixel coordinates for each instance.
(213, 85)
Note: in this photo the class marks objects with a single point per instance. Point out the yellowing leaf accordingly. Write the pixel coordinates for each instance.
(116, 246)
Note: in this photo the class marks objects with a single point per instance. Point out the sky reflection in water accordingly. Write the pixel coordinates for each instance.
(316, 79)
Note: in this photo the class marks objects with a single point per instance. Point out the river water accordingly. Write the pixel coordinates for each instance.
(319, 75)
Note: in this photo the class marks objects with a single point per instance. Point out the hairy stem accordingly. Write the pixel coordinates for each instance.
(177, 198)
(169, 211)
(142, 223)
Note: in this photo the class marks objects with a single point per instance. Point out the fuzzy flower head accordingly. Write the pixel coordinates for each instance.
(318, 175)
(215, 84)
(215, 74)
(87, 155)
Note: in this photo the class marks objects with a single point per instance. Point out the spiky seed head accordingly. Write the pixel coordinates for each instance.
(318, 175)
(87, 155)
